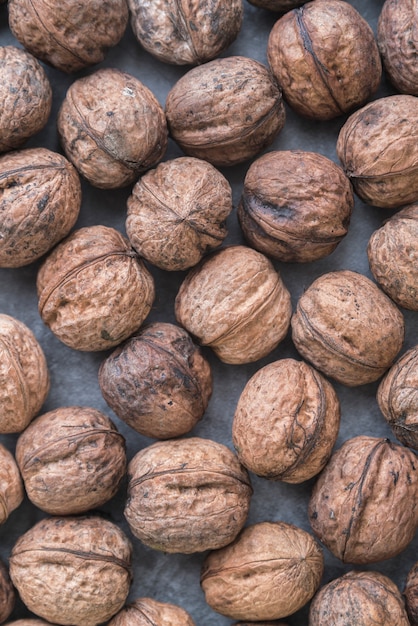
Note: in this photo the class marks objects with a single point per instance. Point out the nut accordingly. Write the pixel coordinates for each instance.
(411, 594)
(7, 593)
(28, 622)
(11, 486)
(146, 611)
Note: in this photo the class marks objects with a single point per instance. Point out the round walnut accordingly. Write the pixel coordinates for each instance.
(270, 571)
(25, 97)
(158, 382)
(187, 495)
(147, 611)
(177, 212)
(112, 128)
(7, 593)
(66, 34)
(347, 328)
(411, 594)
(295, 206)
(225, 111)
(93, 290)
(28, 622)
(11, 486)
(325, 58)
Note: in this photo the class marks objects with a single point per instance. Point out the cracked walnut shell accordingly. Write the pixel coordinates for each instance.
(11, 485)
(147, 611)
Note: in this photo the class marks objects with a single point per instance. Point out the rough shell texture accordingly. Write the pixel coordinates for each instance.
(146, 611)
(66, 34)
(93, 290)
(28, 622)
(270, 571)
(225, 111)
(186, 32)
(40, 198)
(286, 422)
(378, 149)
(325, 58)
(111, 127)
(177, 212)
(187, 495)
(24, 375)
(25, 97)
(295, 205)
(158, 382)
(411, 594)
(7, 593)
(347, 327)
(366, 493)
(11, 486)
(72, 570)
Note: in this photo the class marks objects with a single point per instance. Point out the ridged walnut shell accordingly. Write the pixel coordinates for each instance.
(411, 594)
(29, 622)
(270, 571)
(347, 328)
(366, 493)
(147, 611)
(93, 290)
(7, 593)
(72, 570)
(236, 303)
(187, 495)
(11, 485)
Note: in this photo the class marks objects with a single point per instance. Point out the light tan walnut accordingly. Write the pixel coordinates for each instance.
(146, 611)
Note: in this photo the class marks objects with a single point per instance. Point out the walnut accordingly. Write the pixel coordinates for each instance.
(366, 493)
(347, 328)
(28, 622)
(295, 206)
(270, 571)
(235, 302)
(146, 611)
(7, 593)
(158, 381)
(411, 594)
(325, 58)
(93, 290)
(11, 486)
(187, 495)
(111, 127)
(225, 111)
(177, 212)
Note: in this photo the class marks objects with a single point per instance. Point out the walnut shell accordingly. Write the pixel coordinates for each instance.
(366, 493)
(28, 622)
(236, 303)
(270, 571)
(347, 328)
(411, 594)
(93, 290)
(187, 495)
(111, 127)
(225, 111)
(146, 611)
(11, 486)
(62, 554)
(295, 205)
(7, 593)
(177, 213)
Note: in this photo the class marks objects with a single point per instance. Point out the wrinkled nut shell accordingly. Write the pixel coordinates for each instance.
(411, 594)
(146, 611)
(29, 622)
(7, 593)
(11, 486)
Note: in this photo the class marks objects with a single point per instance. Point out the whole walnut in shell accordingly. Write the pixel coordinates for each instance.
(93, 290)
(270, 571)
(411, 594)
(187, 495)
(7, 593)
(146, 611)
(11, 486)
(366, 493)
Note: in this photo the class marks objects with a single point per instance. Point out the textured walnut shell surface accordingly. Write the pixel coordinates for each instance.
(270, 571)
(11, 485)
(410, 593)
(187, 495)
(7, 593)
(366, 493)
(111, 127)
(225, 111)
(347, 328)
(295, 205)
(147, 611)
(93, 290)
(28, 622)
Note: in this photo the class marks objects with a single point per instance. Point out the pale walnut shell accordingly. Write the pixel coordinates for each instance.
(93, 290)
(347, 328)
(411, 594)
(187, 495)
(236, 303)
(270, 571)
(7, 593)
(11, 485)
(72, 570)
(24, 375)
(147, 611)
(177, 213)
(363, 507)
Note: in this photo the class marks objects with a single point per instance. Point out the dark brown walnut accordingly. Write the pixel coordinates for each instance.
(271, 570)
(158, 381)
(66, 34)
(411, 594)
(325, 57)
(25, 97)
(94, 291)
(7, 593)
(112, 128)
(147, 611)
(62, 554)
(40, 199)
(225, 111)
(187, 495)
(347, 328)
(177, 212)
(295, 206)
(11, 485)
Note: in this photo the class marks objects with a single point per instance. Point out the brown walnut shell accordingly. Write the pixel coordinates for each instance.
(347, 328)
(7, 593)
(93, 290)
(270, 571)
(411, 594)
(28, 622)
(187, 495)
(147, 611)
(11, 485)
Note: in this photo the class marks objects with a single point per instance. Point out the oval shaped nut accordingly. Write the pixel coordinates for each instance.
(11, 485)
(146, 611)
